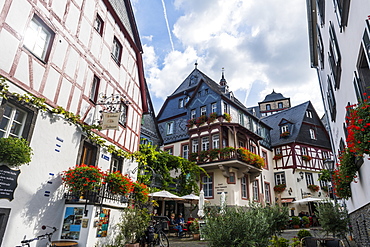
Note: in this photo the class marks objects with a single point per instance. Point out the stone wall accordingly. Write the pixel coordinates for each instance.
(360, 222)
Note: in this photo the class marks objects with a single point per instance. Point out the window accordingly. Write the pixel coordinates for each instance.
(170, 127)
(321, 8)
(116, 165)
(255, 190)
(216, 141)
(357, 84)
(99, 24)
(268, 107)
(203, 110)
(280, 105)
(185, 151)
(194, 143)
(265, 158)
(331, 100)
(334, 56)
(226, 108)
(241, 144)
(323, 183)
(312, 134)
(284, 128)
(252, 148)
(303, 151)
(116, 51)
(320, 47)
(38, 38)
(94, 92)
(205, 143)
(277, 150)
(244, 187)
(341, 9)
(213, 107)
(169, 150)
(89, 154)
(181, 103)
(13, 122)
(124, 113)
(241, 118)
(309, 178)
(193, 114)
(280, 178)
(325, 155)
(231, 178)
(309, 114)
(4, 216)
(199, 93)
(208, 185)
(206, 91)
(267, 193)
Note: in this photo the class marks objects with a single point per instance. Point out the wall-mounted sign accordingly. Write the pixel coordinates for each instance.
(72, 223)
(8, 182)
(110, 121)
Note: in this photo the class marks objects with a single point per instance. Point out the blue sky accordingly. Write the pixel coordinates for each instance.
(262, 46)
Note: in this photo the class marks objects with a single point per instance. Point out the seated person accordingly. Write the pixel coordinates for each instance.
(180, 224)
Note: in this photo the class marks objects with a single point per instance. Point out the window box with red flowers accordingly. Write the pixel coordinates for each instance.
(313, 187)
(191, 123)
(118, 183)
(277, 157)
(285, 134)
(82, 178)
(358, 126)
(306, 157)
(251, 158)
(212, 117)
(201, 120)
(214, 154)
(279, 188)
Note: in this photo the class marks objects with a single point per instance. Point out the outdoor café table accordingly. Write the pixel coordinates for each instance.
(64, 243)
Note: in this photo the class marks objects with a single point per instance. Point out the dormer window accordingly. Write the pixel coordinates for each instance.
(309, 114)
(181, 103)
(268, 107)
(284, 131)
(280, 105)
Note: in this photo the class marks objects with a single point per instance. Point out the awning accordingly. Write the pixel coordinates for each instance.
(287, 200)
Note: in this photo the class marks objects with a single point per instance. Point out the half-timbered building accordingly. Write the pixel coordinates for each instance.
(69, 53)
(300, 144)
(204, 122)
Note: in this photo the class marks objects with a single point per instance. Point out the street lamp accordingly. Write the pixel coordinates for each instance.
(329, 165)
(154, 174)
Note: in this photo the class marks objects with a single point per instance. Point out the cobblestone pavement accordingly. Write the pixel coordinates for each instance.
(288, 234)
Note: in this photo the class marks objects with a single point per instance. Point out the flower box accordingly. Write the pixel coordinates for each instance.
(313, 188)
(306, 157)
(279, 188)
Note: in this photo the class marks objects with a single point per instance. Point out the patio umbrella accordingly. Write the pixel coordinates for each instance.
(201, 204)
(191, 197)
(165, 195)
(309, 199)
(223, 202)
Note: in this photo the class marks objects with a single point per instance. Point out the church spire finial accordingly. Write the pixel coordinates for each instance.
(223, 80)
(196, 64)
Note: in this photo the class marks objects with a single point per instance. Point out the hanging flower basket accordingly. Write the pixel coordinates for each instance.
(141, 192)
(313, 188)
(306, 157)
(82, 178)
(358, 123)
(118, 183)
(279, 188)
(14, 151)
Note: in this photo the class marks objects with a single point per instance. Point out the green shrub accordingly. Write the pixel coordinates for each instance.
(304, 233)
(333, 218)
(15, 152)
(243, 226)
(279, 242)
(296, 220)
(305, 220)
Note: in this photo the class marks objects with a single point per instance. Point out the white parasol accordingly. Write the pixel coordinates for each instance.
(165, 195)
(309, 199)
(223, 202)
(201, 204)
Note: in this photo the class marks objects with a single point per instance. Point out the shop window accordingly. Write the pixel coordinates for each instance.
(38, 39)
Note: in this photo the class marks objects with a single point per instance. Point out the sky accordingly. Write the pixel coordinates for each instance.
(262, 46)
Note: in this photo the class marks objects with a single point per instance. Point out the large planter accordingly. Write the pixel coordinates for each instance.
(132, 245)
(196, 236)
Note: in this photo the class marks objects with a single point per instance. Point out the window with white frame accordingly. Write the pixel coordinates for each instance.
(334, 56)
(208, 185)
(303, 150)
(284, 128)
(170, 128)
(193, 114)
(255, 190)
(331, 100)
(241, 118)
(277, 150)
(309, 114)
(195, 146)
(216, 141)
(312, 134)
(205, 143)
(325, 155)
(203, 110)
(244, 187)
(99, 24)
(226, 108)
(309, 178)
(116, 51)
(169, 150)
(116, 165)
(267, 193)
(279, 178)
(12, 122)
(181, 103)
(185, 151)
(38, 38)
(213, 107)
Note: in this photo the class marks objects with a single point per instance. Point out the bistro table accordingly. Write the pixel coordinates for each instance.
(64, 243)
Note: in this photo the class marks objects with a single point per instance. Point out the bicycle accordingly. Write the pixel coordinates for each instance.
(155, 236)
(26, 242)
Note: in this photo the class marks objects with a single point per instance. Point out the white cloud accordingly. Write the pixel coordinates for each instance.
(253, 40)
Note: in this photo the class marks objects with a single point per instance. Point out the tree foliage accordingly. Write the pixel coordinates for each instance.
(333, 218)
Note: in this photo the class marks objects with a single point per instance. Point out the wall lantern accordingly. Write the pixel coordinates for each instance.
(329, 165)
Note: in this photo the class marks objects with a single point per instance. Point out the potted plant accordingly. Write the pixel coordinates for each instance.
(15, 151)
(191, 123)
(201, 120)
(118, 183)
(213, 154)
(306, 221)
(285, 134)
(296, 222)
(82, 178)
(313, 187)
(227, 117)
(303, 233)
(227, 152)
(279, 188)
(194, 229)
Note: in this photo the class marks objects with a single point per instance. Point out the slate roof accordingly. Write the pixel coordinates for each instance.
(295, 115)
(273, 97)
